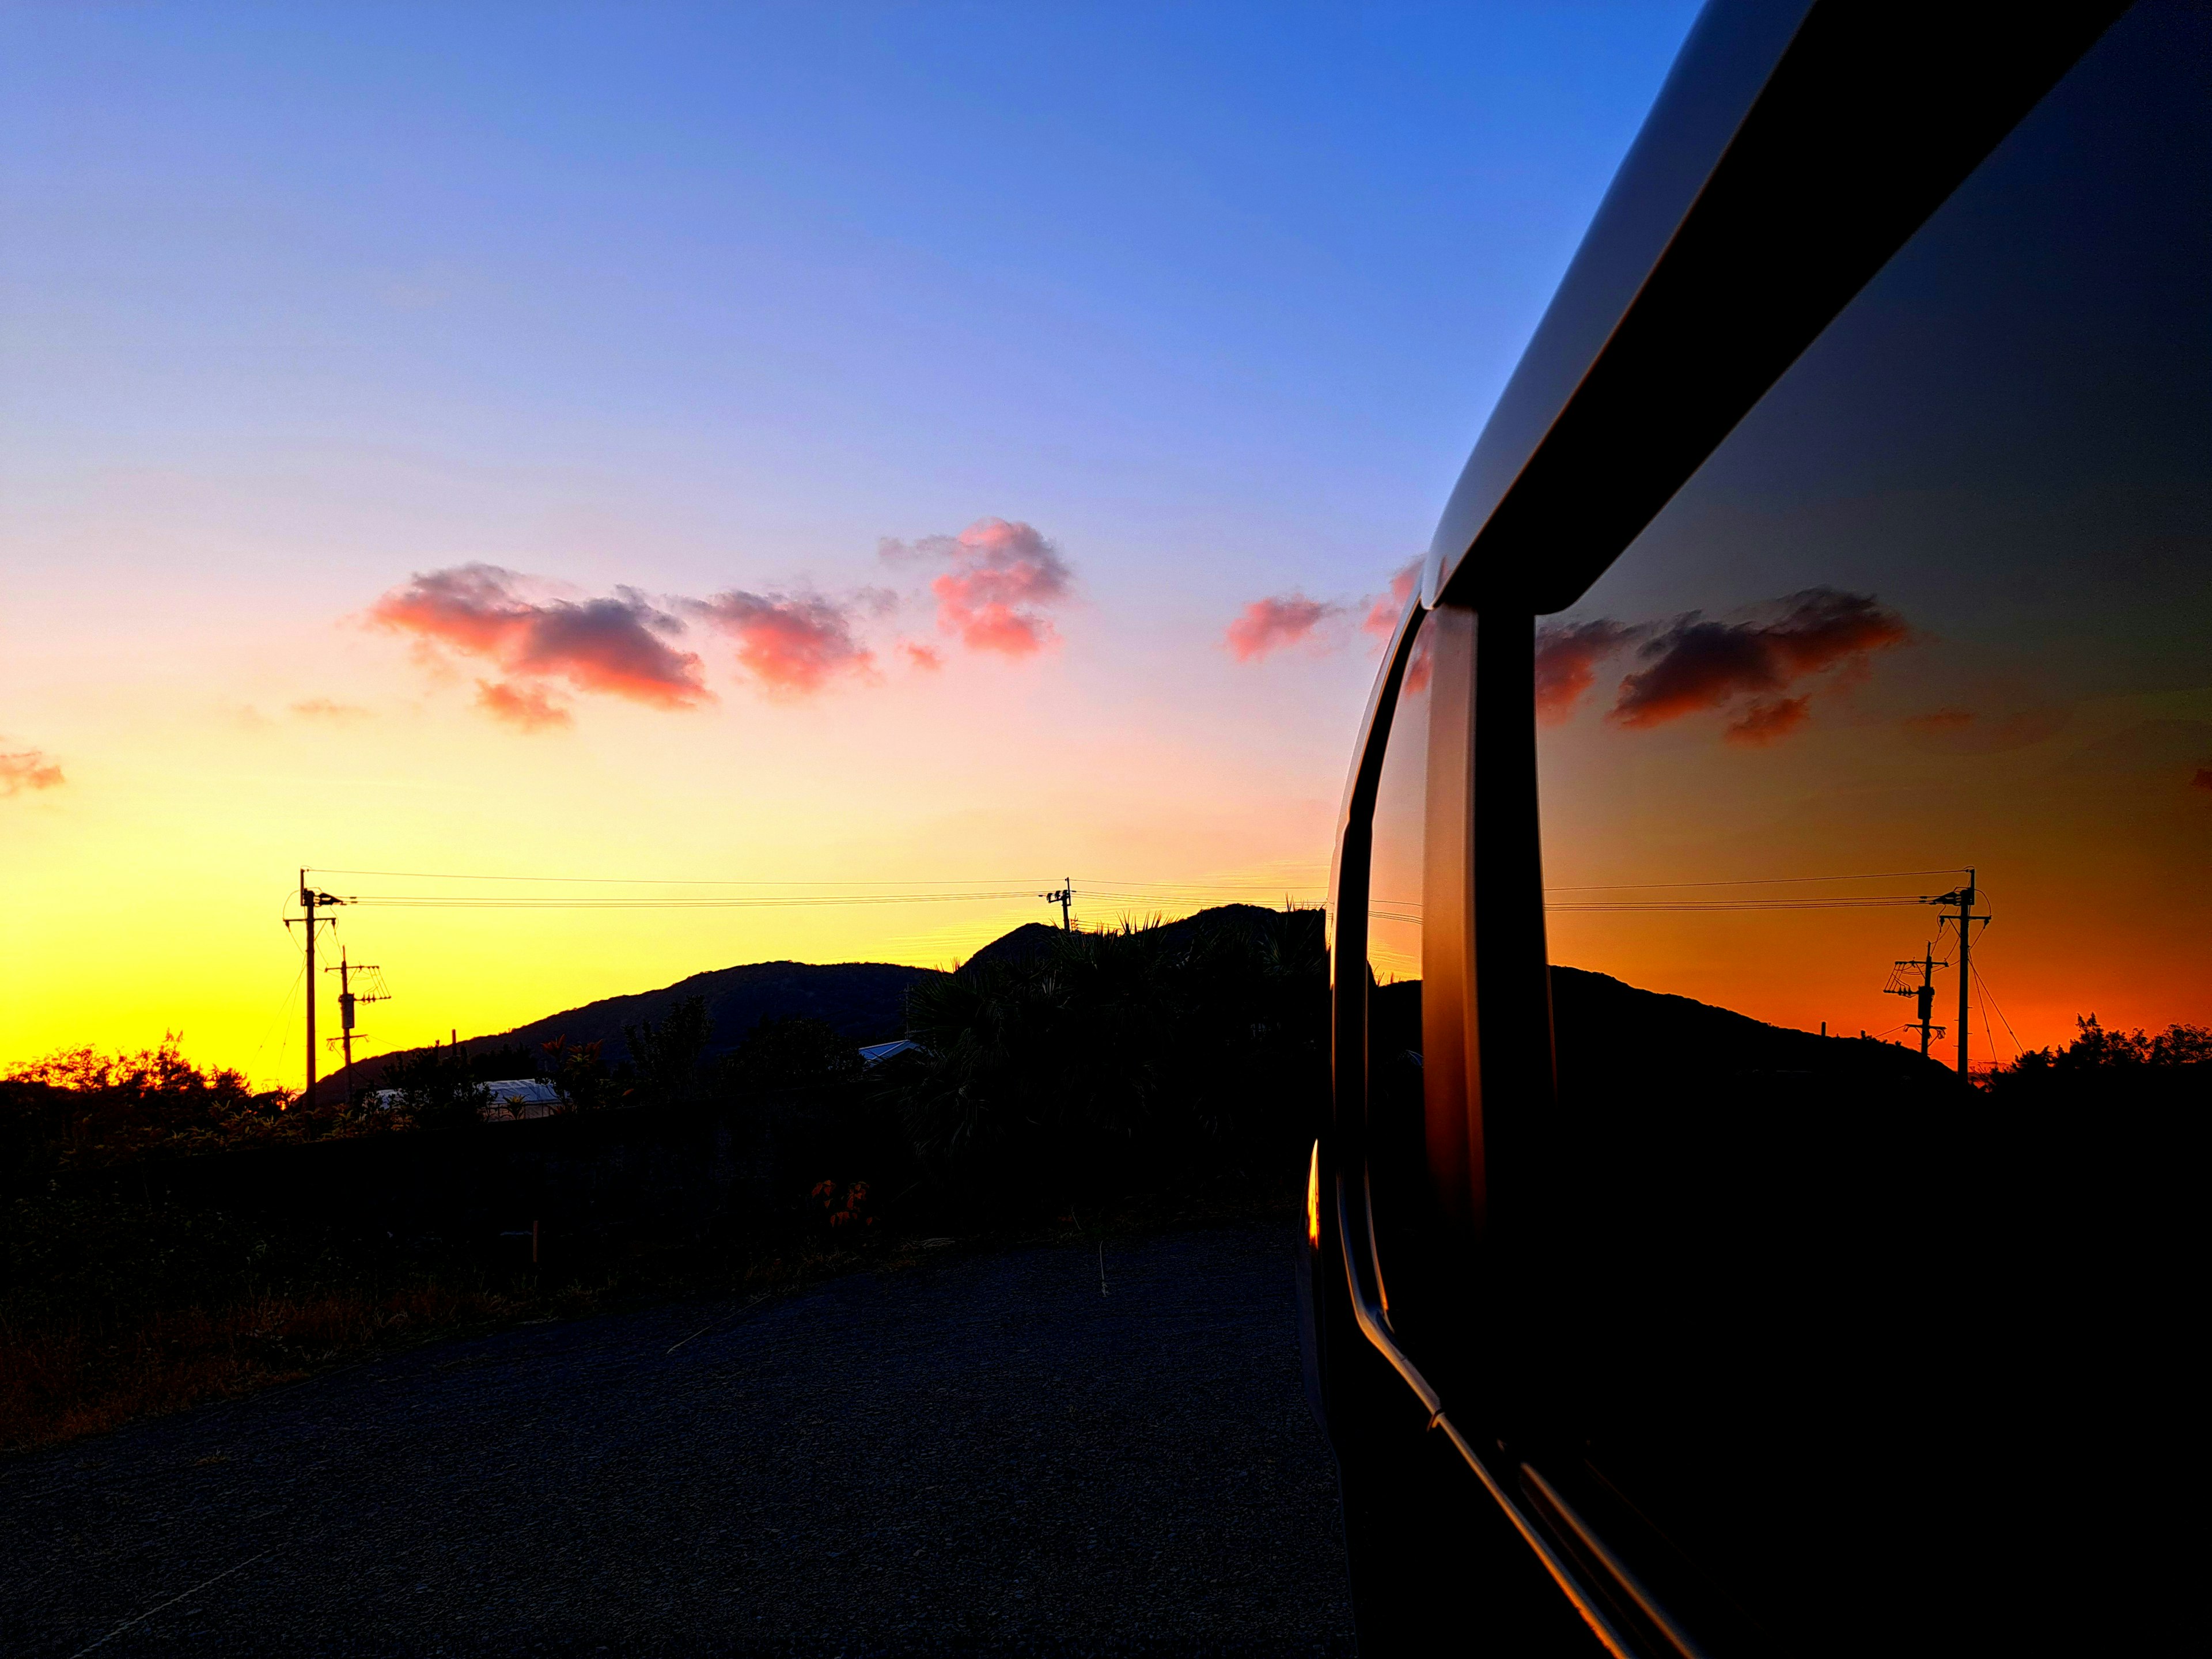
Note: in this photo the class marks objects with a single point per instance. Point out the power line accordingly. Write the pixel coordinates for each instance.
(1094, 882)
(470, 901)
(1241, 885)
(613, 881)
(1751, 881)
(1409, 910)
(1989, 1001)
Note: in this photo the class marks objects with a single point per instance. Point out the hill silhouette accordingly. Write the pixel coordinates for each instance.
(1614, 1039)
(864, 1001)
(1033, 940)
(1607, 1029)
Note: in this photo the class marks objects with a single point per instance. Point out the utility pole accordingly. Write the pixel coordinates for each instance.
(349, 999)
(309, 898)
(1063, 897)
(1924, 996)
(1964, 921)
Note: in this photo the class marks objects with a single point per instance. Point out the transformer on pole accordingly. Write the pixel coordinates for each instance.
(1964, 921)
(1923, 993)
(350, 974)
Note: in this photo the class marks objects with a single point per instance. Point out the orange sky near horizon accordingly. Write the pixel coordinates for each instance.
(419, 473)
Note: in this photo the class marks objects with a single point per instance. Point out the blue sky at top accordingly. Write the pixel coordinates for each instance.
(1242, 280)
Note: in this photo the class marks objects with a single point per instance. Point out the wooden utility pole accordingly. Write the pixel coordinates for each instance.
(1063, 897)
(1923, 997)
(309, 898)
(307, 903)
(349, 1001)
(1964, 921)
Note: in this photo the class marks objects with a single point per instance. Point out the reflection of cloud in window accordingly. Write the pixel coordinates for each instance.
(1694, 663)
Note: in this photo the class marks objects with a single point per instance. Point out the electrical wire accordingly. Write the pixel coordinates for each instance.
(277, 1021)
(1098, 883)
(1753, 881)
(1406, 910)
(1989, 1001)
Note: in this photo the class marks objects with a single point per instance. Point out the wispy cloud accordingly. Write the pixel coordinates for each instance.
(1002, 576)
(525, 708)
(1766, 719)
(1567, 656)
(617, 646)
(28, 768)
(1384, 609)
(790, 645)
(1272, 624)
(322, 709)
(1283, 620)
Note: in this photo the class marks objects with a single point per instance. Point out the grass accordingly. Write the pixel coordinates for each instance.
(83, 1366)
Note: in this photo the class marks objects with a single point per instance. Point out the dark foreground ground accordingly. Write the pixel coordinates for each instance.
(984, 1454)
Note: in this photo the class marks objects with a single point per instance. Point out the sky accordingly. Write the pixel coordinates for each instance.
(786, 445)
(661, 468)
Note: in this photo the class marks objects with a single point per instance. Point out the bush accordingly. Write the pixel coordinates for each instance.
(790, 1052)
(437, 1087)
(78, 1106)
(664, 1057)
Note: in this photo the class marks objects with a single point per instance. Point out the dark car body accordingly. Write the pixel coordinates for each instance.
(1618, 1353)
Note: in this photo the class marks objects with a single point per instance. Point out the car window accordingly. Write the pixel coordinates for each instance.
(1940, 604)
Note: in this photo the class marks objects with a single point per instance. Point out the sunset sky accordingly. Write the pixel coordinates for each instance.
(859, 451)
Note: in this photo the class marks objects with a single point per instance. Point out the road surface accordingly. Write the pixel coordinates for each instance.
(982, 1455)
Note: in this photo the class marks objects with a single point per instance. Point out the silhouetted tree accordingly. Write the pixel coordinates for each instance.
(79, 1105)
(664, 1056)
(581, 1075)
(437, 1087)
(2110, 1068)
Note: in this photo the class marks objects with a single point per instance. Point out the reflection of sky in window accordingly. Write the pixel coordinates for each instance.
(2006, 442)
(1394, 923)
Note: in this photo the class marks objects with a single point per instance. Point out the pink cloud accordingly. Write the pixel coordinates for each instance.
(1003, 576)
(1384, 610)
(1567, 655)
(1697, 665)
(1271, 624)
(923, 657)
(525, 707)
(28, 768)
(617, 646)
(792, 646)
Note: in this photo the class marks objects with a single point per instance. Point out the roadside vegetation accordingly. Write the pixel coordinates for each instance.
(1146, 1077)
(1142, 1077)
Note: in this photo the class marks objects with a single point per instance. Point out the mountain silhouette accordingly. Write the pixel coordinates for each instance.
(1609, 1031)
(1034, 938)
(864, 1001)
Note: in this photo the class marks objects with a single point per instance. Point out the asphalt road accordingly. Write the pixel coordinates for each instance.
(982, 1455)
